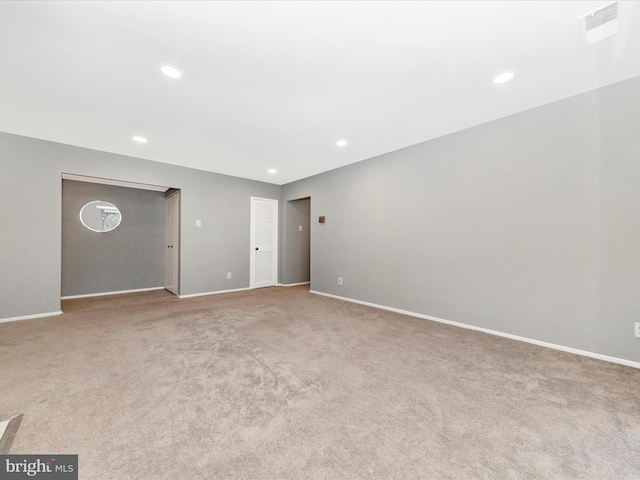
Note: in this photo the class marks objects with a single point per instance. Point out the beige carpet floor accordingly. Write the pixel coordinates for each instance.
(279, 383)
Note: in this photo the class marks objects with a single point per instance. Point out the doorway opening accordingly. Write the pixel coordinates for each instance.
(297, 261)
(126, 259)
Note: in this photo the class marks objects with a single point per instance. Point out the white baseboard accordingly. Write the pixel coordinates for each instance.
(30, 317)
(562, 348)
(101, 294)
(191, 295)
(292, 284)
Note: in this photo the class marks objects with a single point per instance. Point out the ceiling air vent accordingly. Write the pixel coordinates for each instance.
(599, 24)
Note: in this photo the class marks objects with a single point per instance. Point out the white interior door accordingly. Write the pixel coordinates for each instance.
(172, 243)
(264, 243)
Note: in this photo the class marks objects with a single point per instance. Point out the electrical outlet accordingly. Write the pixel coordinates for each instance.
(637, 330)
(228, 275)
(339, 280)
(198, 223)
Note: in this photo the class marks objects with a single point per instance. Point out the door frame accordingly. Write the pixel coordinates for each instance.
(287, 248)
(173, 195)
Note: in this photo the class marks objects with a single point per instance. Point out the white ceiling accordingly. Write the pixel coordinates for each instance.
(276, 84)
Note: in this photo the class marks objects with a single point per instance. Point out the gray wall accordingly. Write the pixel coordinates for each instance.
(296, 264)
(529, 225)
(31, 240)
(130, 257)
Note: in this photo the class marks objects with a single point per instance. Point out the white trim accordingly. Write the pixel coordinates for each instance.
(540, 343)
(292, 284)
(30, 317)
(70, 297)
(191, 295)
(117, 183)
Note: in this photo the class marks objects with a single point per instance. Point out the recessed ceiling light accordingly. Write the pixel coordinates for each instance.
(503, 77)
(139, 139)
(341, 143)
(272, 170)
(171, 71)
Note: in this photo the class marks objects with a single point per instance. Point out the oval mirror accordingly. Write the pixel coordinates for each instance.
(100, 216)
